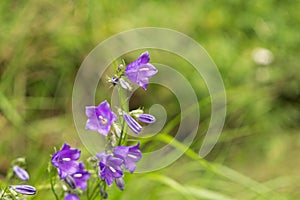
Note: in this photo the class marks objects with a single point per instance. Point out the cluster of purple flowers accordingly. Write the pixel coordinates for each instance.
(116, 159)
(70, 170)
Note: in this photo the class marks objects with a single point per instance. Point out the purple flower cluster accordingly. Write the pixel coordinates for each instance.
(112, 165)
(69, 169)
(116, 159)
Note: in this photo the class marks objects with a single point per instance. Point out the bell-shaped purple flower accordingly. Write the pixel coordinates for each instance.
(132, 124)
(21, 173)
(110, 168)
(129, 154)
(140, 70)
(100, 118)
(65, 160)
(71, 197)
(24, 189)
(146, 118)
(81, 177)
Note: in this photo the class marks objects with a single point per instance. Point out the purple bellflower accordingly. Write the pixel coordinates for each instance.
(71, 197)
(81, 176)
(24, 189)
(140, 70)
(21, 173)
(100, 118)
(129, 154)
(65, 160)
(132, 124)
(110, 168)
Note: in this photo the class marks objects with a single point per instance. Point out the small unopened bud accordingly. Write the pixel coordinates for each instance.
(120, 183)
(146, 118)
(70, 181)
(21, 173)
(124, 84)
(24, 189)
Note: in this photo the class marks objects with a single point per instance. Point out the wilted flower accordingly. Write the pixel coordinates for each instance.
(129, 154)
(71, 197)
(65, 160)
(21, 173)
(139, 71)
(110, 167)
(132, 124)
(100, 118)
(24, 189)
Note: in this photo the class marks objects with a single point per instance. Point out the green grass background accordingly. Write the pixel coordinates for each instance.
(43, 42)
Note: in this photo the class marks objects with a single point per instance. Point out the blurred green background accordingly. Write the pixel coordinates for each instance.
(255, 45)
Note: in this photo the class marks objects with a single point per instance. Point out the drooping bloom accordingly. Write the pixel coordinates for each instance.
(100, 118)
(146, 118)
(132, 124)
(81, 176)
(21, 173)
(65, 160)
(140, 70)
(71, 197)
(110, 167)
(24, 189)
(129, 154)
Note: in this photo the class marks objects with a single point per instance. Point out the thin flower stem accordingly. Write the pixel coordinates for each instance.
(125, 107)
(52, 185)
(3, 192)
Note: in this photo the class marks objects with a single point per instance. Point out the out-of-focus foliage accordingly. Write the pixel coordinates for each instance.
(43, 42)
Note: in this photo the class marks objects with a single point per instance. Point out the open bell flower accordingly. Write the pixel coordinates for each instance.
(65, 160)
(100, 118)
(129, 154)
(140, 70)
(110, 167)
(81, 176)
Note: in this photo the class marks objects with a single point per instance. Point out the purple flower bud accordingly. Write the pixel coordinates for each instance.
(21, 173)
(70, 181)
(133, 125)
(114, 80)
(120, 183)
(125, 85)
(24, 189)
(71, 197)
(146, 118)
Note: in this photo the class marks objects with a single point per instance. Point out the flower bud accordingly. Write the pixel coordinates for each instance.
(21, 173)
(24, 189)
(146, 118)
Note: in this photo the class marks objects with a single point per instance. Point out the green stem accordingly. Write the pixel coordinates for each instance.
(52, 185)
(125, 107)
